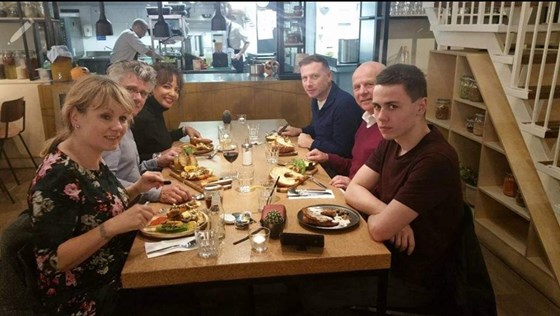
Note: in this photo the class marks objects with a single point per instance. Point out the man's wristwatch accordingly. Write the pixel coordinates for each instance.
(156, 155)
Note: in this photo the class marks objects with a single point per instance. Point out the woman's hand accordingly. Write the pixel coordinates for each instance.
(187, 130)
(134, 218)
(149, 179)
(167, 157)
(174, 194)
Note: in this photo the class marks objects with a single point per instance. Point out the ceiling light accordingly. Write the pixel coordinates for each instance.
(161, 28)
(103, 27)
(218, 21)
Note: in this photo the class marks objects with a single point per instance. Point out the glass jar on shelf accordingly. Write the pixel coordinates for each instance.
(478, 124)
(442, 109)
(469, 124)
(464, 87)
(510, 186)
(474, 92)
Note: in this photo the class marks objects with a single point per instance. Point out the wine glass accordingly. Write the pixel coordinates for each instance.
(230, 154)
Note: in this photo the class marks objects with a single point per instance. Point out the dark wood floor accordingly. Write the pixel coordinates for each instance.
(514, 295)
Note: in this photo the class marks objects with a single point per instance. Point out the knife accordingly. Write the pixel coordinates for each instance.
(245, 238)
(283, 128)
(317, 182)
(19, 32)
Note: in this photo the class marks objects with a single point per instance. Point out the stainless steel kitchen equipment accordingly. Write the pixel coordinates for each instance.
(348, 51)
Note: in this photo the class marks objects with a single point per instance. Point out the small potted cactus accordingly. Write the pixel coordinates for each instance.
(275, 222)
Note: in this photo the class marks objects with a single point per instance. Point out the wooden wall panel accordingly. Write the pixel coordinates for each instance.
(259, 100)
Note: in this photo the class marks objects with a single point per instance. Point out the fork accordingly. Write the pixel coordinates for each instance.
(188, 245)
(210, 155)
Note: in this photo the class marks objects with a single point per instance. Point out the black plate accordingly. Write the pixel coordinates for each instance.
(354, 217)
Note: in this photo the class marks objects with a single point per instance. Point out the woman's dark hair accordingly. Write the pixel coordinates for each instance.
(410, 77)
(165, 74)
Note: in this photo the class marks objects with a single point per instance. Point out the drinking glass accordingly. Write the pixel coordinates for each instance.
(207, 241)
(230, 154)
(272, 152)
(224, 137)
(253, 132)
(246, 177)
(259, 239)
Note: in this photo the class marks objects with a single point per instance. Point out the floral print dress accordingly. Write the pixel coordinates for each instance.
(67, 201)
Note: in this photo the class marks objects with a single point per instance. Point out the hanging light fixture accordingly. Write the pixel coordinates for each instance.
(103, 27)
(218, 21)
(161, 28)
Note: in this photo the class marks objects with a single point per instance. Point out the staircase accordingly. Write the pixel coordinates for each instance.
(522, 41)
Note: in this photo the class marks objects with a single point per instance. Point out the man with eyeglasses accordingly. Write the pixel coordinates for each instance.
(139, 80)
(129, 46)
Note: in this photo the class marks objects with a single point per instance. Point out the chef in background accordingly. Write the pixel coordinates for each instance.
(235, 37)
(129, 46)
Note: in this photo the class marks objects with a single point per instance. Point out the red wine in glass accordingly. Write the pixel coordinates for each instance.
(231, 155)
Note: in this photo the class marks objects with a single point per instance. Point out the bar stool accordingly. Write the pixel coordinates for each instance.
(5, 189)
(12, 112)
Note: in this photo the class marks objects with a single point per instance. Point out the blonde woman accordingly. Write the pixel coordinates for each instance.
(81, 227)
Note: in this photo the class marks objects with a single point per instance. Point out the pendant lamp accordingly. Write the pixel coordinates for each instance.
(218, 21)
(161, 29)
(103, 27)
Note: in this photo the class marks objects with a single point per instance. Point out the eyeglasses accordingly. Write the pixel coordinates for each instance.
(133, 90)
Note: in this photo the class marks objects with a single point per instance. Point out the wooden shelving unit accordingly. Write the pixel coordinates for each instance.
(291, 36)
(503, 226)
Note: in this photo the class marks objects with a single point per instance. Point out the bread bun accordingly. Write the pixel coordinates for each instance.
(288, 177)
(285, 144)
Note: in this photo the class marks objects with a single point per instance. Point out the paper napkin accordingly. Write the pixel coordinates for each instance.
(327, 194)
(152, 247)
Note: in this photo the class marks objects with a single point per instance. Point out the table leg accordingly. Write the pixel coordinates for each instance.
(382, 287)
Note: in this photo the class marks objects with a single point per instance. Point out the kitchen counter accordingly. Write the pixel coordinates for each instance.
(211, 70)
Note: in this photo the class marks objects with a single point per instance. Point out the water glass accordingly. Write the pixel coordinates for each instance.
(253, 132)
(245, 177)
(207, 241)
(272, 152)
(259, 239)
(242, 118)
(224, 137)
(265, 192)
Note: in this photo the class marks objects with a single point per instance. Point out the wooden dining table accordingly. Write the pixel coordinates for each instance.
(349, 250)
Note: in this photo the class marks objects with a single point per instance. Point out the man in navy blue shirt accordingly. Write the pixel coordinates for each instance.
(335, 114)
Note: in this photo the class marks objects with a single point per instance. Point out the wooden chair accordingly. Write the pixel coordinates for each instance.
(5, 189)
(468, 289)
(12, 124)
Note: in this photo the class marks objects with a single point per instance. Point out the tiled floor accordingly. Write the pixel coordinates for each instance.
(514, 295)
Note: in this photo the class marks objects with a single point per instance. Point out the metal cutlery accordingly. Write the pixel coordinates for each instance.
(188, 245)
(308, 192)
(247, 237)
(283, 129)
(317, 182)
(210, 155)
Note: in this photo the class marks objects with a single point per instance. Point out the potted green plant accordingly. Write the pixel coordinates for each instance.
(275, 222)
(470, 179)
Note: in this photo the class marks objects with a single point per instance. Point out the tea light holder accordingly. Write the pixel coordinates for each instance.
(259, 239)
